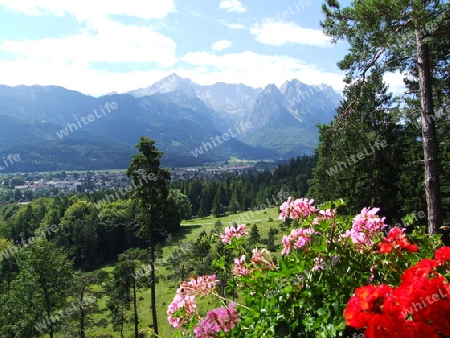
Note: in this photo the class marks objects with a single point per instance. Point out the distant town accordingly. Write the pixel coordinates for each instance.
(24, 187)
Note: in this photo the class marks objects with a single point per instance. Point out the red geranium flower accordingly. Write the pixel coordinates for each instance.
(423, 269)
(419, 307)
(366, 301)
(396, 240)
(442, 254)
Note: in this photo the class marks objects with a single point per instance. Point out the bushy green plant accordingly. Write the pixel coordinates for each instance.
(325, 257)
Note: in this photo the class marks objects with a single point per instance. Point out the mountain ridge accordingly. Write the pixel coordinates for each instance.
(178, 113)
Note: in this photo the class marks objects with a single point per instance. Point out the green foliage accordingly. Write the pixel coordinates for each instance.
(270, 244)
(217, 208)
(39, 288)
(218, 227)
(84, 305)
(114, 232)
(78, 235)
(151, 186)
(200, 256)
(182, 203)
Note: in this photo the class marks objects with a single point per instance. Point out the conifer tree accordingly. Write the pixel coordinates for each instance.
(359, 155)
(152, 193)
(254, 235)
(217, 208)
(398, 35)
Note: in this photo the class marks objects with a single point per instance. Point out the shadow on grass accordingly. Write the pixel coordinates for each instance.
(185, 231)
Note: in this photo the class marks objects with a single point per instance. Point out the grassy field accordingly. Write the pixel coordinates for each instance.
(166, 288)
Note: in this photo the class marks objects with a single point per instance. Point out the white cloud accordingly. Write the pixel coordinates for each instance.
(250, 68)
(111, 42)
(232, 6)
(69, 61)
(395, 82)
(221, 45)
(235, 26)
(254, 69)
(232, 25)
(99, 40)
(89, 10)
(75, 77)
(279, 33)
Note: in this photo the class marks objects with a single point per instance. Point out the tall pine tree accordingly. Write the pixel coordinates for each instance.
(151, 191)
(397, 35)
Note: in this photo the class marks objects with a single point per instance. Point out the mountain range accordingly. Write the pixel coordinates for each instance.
(53, 128)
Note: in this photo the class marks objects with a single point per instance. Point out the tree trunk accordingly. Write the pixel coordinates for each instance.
(82, 315)
(153, 284)
(429, 135)
(49, 311)
(122, 319)
(135, 307)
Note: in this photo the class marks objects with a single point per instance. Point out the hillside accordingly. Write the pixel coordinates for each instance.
(180, 247)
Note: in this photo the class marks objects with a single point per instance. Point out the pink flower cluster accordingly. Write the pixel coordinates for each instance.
(298, 238)
(365, 227)
(239, 268)
(200, 286)
(297, 209)
(318, 264)
(232, 232)
(221, 319)
(184, 306)
(324, 214)
(263, 258)
(260, 259)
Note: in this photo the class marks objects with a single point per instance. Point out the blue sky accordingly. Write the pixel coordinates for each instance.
(100, 46)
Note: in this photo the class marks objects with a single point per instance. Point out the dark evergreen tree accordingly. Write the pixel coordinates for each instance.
(234, 200)
(360, 152)
(152, 193)
(201, 255)
(218, 227)
(217, 207)
(124, 289)
(254, 236)
(271, 246)
(202, 209)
